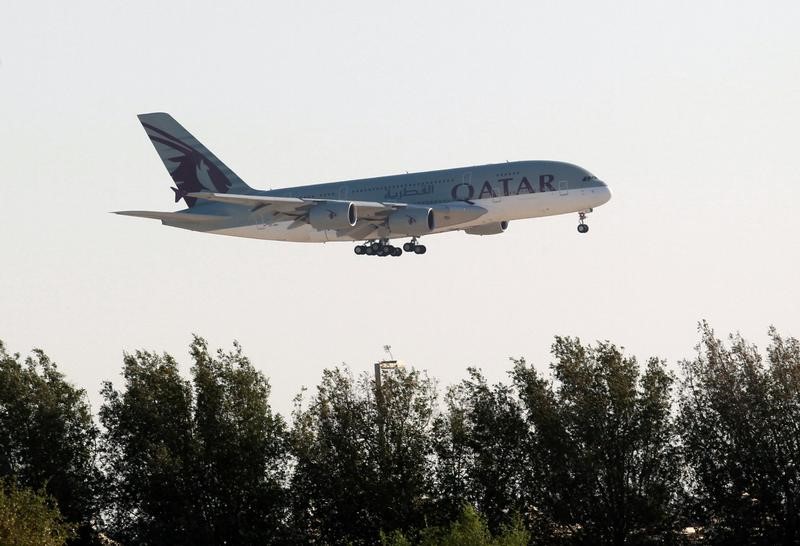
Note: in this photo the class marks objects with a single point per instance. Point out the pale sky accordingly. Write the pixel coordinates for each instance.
(690, 111)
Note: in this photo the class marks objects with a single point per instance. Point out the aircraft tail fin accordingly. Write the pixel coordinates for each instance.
(191, 165)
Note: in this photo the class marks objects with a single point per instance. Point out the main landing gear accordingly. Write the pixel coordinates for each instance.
(414, 247)
(582, 227)
(383, 248)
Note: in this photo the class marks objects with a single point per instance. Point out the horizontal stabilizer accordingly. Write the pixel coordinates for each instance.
(171, 216)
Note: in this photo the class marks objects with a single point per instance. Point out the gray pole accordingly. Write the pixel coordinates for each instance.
(377, 377)
(379, 402)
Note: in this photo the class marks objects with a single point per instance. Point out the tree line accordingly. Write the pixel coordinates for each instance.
(601, 449)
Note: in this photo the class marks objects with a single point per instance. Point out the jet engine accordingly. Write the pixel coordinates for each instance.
(413, 221)
(488, 229)
(333, 215)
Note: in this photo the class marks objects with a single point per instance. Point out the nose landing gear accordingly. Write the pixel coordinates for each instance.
(582, 227)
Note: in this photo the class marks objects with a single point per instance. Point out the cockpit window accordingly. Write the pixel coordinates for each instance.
(589, 178)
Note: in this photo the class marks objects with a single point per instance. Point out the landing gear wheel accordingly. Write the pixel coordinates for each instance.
(397, 251)
(359, 250)
(369, 251)
(583, 228)
(408, 247)
(420, 249)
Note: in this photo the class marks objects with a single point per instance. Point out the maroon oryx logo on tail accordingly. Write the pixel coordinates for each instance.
(193, 172)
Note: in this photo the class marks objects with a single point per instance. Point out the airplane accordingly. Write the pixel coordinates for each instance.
(479, 200)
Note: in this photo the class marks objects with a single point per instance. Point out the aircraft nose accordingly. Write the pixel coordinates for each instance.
(605, 193)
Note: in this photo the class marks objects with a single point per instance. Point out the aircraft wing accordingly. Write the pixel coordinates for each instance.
(172, 216)
(298, 206)
(253, 201)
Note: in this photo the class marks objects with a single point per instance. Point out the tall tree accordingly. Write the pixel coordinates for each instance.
(481, 449)
(201, 462)
(362, 465)
(740, 421)
(241, 459)
(405, 402)
(47, 436)
(149, 453)
(453, 459)
(604, 445)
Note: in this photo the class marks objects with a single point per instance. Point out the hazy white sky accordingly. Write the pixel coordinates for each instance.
(689, 110)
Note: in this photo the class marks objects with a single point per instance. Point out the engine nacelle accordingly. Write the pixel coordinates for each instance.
(488, 229)
(333, 215)
(413, 221)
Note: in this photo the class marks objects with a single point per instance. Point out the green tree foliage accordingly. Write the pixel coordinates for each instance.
(481, 452)
(241, 449)
(47, 436)
(453, 460)
(602, 446)
(740, 420)
(29, 518)
(592, 453)
(149, 453)
(361, 463)
(198, 462)
(469, 529)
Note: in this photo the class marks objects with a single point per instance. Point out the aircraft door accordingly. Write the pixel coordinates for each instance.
(563, 186)
(343, 191)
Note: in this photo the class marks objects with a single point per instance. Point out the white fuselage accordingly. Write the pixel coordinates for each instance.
(505, 196)
(502, 208)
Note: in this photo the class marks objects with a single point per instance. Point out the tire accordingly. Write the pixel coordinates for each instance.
(359, 250)
(397, 251)
(420, 249)
(408, 247)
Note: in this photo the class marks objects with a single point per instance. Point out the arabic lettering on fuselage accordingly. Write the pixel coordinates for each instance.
(408, 190)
